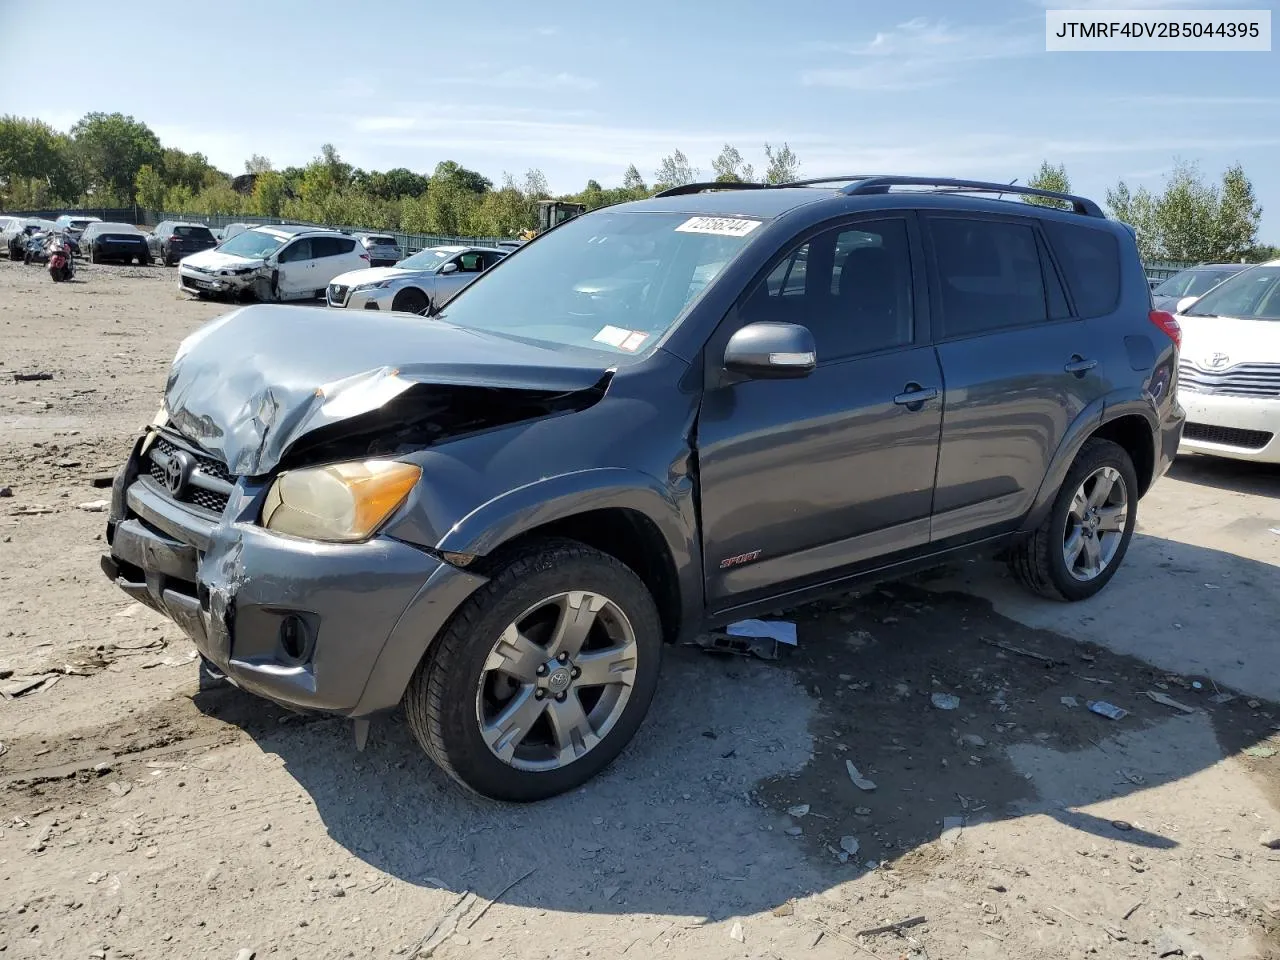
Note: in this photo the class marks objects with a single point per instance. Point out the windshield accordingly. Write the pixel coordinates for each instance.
(1192, 283)
(612, 282)
(1252, 295)
(252, 244)
(430, 259)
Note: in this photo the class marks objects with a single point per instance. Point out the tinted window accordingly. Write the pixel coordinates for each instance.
(851, 288)
(381, 241)
(989, 273)
(194, 233)
(298, 250)
(1090, 258)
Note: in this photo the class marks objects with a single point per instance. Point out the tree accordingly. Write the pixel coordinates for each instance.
(36, 165)
(535, 185)
(448, 171)
(1049, 177)
(149, 187)
(730, 167)
(113, 148)
(783, 165)
(268, 194)
(257, 164)
(1239, 215)
(675, 171)
(631, 180)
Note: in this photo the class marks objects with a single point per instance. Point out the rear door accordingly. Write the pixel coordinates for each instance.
(1018, 368)
(335, 256)
(803, 480)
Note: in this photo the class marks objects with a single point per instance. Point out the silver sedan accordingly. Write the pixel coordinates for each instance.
(422, 283)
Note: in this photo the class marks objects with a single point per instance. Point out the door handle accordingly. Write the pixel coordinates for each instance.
(915, 396)
(1079, 365)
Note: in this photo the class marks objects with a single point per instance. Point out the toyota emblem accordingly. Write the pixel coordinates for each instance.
(1216, 360)
(177, 471)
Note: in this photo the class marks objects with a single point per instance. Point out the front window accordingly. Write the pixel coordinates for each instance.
(1252, 295)
(252, 245)
(431, 259)
(1192, 283)
(612, 282)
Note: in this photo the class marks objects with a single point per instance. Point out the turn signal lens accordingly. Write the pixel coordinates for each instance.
(340, 503)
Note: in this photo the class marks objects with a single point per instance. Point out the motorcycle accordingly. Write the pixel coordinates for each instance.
(62, 266)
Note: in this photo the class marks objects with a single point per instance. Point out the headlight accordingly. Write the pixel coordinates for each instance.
(342, 503)
(380, 285)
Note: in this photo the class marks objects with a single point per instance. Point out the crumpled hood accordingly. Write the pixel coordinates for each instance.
(353, 278)
(249, 384)
(214, 259)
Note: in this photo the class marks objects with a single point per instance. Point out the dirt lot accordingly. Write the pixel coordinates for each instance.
(143, 817)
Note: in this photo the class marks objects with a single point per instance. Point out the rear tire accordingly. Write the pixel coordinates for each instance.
(411, 300)
(500, 712)
(1095, 534)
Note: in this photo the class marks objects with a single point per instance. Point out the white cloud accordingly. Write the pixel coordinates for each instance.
(522, 78)
(919, 53)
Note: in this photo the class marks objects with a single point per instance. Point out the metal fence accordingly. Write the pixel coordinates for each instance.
(1164, 269)
(408, 243)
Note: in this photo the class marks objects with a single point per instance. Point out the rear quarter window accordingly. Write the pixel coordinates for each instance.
(1090, 260)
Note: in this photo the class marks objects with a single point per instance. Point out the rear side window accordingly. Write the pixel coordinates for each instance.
(331, 246)
(989, 273)
(1090, 258)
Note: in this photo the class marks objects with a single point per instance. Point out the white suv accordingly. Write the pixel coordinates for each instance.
(279, 262)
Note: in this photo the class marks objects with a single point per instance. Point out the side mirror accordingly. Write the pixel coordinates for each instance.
(771, 351)
(1184, 303)
(449, 268)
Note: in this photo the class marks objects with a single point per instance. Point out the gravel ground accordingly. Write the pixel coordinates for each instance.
(143, 817)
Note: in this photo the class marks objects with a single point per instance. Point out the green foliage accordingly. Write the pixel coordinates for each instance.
(36, 167)
(1049, 177)
(112, 149)
(731, 168)
(675, 171)
(268, 194)
(149, 187)
(1191, 220)
(783, 166)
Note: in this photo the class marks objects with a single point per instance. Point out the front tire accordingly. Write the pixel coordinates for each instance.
(1076, 551)
(542, 677)
(411, 300)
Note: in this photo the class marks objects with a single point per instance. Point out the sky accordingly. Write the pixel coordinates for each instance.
(583, 89)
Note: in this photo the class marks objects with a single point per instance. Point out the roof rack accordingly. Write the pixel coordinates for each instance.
(687, 188)
(868, 185)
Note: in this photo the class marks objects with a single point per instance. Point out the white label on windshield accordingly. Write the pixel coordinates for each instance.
(720, 226)
(633, 341)
(613, 336)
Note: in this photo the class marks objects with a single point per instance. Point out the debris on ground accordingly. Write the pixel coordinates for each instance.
(6, 492)
(1069, 701)
(29, 685)
(893, 927)
(1270, 839)
(850, 845)
(799, 810)
(1048, 661)
(1260, 751)
(859, 781)
(951, 829)
(95, 506)
(1108, 710)
(736, 933)
(27, 377)
(945, 701)
(1167, 701)
(784, 631)
(762, 647)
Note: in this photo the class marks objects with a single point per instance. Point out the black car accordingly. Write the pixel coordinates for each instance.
(171, 240)
(499, 516)
(122, 242)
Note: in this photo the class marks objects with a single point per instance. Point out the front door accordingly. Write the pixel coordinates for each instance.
(1019, 369)
(296, 277)
(804, 480)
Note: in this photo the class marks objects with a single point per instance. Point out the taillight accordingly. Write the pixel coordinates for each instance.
(364, 256)
(175, 239)
(1169, 324)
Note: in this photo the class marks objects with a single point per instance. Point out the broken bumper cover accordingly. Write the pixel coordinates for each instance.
(216, 281)
(332, 627)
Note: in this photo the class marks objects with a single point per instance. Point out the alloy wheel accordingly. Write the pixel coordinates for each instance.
(1095, 524)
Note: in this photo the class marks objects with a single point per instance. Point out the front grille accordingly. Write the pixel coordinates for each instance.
(337, 293)
(188, 282)
(1227, 436)
(1242, 380)
(209, 485)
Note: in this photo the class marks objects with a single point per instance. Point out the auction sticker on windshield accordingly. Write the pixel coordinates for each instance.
(719, 226)
(622, 339)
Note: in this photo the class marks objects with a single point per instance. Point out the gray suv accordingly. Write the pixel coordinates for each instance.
(654, 419)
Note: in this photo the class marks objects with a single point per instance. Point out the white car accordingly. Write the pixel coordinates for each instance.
(273, 263)
(418, 284)
(1229, 368)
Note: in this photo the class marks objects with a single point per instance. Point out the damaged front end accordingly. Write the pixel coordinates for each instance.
(253, 512)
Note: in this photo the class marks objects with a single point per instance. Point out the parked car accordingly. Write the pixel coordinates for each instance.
(73, 224)
(114, 241)
(273, 263)
(7, 223)
(382, 248)
(172, 240)
(231, 229)
(1229, 374)
(419, 284)
(1192, 282)
(13, 239)
(497, 517)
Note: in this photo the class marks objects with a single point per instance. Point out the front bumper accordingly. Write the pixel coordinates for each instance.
(333, 627)
(374, 299)
(201, 282)
(1242, 428)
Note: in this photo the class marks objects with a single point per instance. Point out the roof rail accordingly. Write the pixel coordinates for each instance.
(818, 181)
(867, 185)
(687, 188)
